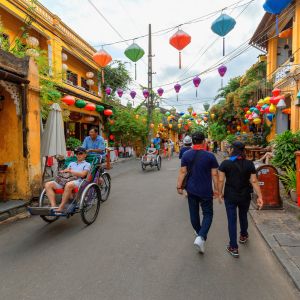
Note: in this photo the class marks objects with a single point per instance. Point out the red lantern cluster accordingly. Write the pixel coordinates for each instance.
(69, 100)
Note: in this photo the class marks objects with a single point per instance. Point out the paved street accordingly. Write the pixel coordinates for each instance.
(140, 247)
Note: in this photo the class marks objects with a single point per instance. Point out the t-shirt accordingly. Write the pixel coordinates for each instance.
(237, 187)
(98, 143)
(199, 182)
(79, 166)
(183, 149)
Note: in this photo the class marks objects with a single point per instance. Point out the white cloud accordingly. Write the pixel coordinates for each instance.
(131, 19)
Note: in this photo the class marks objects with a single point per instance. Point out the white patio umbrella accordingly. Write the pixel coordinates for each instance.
(53, 137)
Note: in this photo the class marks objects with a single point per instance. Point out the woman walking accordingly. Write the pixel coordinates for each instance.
(240, 177)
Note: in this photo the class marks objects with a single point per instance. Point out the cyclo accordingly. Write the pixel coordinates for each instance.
(93, 190)
(151, 158)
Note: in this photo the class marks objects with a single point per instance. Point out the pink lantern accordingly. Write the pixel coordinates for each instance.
(146, 93)
(108, 91)
(222, 70)
(160, 92)
(120, 92)
(177, 88)
(196, 82)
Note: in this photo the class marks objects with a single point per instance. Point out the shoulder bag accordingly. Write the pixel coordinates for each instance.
(64, 178)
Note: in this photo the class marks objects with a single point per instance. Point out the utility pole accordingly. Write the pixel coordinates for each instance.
(150, 98)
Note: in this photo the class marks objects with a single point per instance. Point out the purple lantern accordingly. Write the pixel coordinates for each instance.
(132, 94)
(222, 70)
(146, 93)
(108, 91)
(120, 92)
(196, 81)
(177, 88)
(160, 92)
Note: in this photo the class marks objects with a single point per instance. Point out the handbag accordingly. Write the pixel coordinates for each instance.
(189, 171)
(63, 178)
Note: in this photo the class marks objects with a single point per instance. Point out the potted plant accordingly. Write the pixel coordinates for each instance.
(72, 143)
(289, 181)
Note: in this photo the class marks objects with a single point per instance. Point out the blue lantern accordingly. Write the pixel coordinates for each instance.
(270, 117)
(275, 7)
(223, 25)
(181, 114)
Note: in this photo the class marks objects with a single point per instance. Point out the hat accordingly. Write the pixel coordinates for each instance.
(80, 149)
(187, 140)
(238, 145)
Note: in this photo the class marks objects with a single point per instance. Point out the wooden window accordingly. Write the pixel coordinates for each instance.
(72, 77)
(84, 84)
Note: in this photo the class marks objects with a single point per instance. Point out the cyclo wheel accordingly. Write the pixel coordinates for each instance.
(44, 202)
(90, 203)
(158, 163)
(143, 167)
(105, 185)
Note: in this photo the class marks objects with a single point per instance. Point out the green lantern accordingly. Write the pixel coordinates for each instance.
(206, 106)
(134, 52)
(99, 108)
(167, 113)
(80, 103)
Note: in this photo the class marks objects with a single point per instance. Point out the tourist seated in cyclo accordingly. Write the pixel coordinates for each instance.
(77, 170)
(268, 155)
(151, 151)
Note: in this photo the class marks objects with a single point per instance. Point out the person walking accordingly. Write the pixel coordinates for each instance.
(240, 175)
(187, 141)
(201, 169)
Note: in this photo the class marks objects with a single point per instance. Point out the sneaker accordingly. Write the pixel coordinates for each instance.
(195, 233)
(233, 251)
(199, 244)
(243, 239)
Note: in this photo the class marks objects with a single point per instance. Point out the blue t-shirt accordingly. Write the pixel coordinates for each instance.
(199, 182)
(98, 143)
(183, 150)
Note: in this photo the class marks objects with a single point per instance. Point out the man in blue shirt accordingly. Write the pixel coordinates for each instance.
(94, 143)
(156, 142)
(201, 167)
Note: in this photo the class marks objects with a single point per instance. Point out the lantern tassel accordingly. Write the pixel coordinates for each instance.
(102, 75)
(223, 46)
(196, 93)
(135, 71)
(277, 25)
(177, 97)
(179, 59)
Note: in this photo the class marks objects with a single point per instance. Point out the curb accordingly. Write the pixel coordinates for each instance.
(290, 267)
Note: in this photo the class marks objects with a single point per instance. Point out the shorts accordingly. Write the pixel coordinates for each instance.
(77, 183)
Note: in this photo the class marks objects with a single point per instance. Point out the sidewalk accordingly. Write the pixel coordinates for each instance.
(281, 231)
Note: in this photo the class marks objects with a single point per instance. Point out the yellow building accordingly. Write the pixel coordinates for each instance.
(283, 61)
(70, 61)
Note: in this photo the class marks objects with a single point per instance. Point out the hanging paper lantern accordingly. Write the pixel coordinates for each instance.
(246, 121)
(222, 26)
(205, 119)
(270, 117)
(238, 127)
(167, 113)
(222, 70)
(108, 112)
(196, 82)
(252, 109)
(212, 116)
(102, 59)
(249, 112)
(90, 107)
(132, 94)
(90, 82)
(64, 67)
(261, 102)
(64, 57)
(272, 108)
(32, 42)
(170, 126)
(281, 104)
(194, 114)
(267, 109)
(146, 93)
(267, 100)
(80, 103)
(286, 111)
(179, 126)
(160, 92)
(285, 34)
(108, 91)
(179, 41)
(120, 92)
(152, 125)
(69, 100)
(137, 116)
(99, 108)
(257, 121)
(111, 137)
(134, 52)
(177, 88)
(180, 120)
(276, 92)
(181, 114)
(89, 75)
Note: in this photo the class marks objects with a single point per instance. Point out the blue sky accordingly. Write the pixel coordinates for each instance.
(131, 19)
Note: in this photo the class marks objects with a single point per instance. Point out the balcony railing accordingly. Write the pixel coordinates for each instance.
(283, 71)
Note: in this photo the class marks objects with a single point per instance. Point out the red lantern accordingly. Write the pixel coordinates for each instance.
(90, 107)
(180, 40)
(102, 58)
(194, 114)
(246, 109)
(276, 92)
(69, 100)
(108, 112)
(112, 137)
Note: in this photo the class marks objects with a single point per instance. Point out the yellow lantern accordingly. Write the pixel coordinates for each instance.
(170, 126)
(205, 119)
(137, 116)
(248, 112)
(267, 100)
(161, 124)
(180, 120)
(257, 121)
(212, 116)
(179, 125)
(169, 118)
(152, 125)
(144, 120)
(238, 127)
(261, 102)
(272, 108)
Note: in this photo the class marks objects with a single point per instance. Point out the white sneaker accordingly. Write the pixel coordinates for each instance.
(196, 234)
(199, 244)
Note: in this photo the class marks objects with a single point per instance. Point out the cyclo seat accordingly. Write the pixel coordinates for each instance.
(61, 191)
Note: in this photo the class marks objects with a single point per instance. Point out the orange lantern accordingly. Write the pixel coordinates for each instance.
(102, 58)
(285, 34)
(137, 116)
(179, 125)
(152, 125)
(170, 126)
(180, 40)
(107, 112)
(90, 107)
(286, 111)
(111, 122)
(69, 100)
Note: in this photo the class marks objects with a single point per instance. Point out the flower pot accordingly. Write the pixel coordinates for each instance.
(293, 195)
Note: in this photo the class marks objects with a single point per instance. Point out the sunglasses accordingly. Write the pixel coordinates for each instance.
(79, 153)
